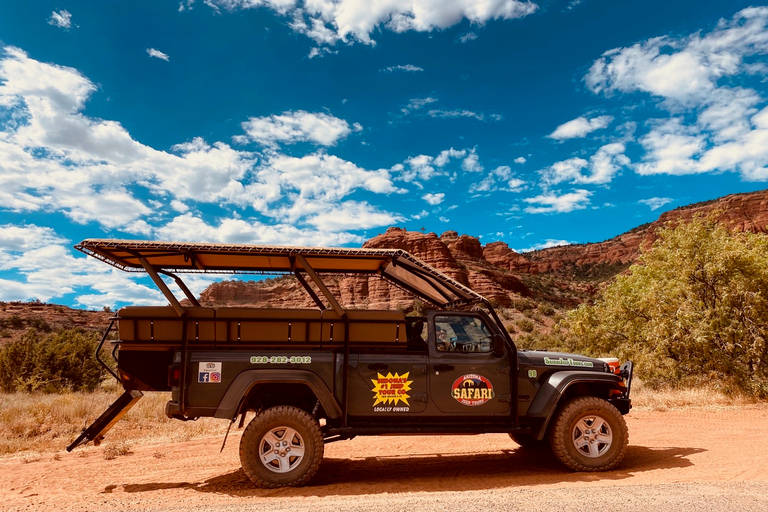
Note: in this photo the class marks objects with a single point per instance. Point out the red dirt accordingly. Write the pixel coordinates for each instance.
(693, 458)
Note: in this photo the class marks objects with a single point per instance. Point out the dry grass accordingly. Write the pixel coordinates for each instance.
(701, 397)
(43, 423)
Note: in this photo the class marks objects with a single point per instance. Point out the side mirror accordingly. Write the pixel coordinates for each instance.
(498, 345)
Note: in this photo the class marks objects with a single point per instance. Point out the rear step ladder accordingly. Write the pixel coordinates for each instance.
(105, 422)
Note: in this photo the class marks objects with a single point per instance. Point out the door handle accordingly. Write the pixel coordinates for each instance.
(378, 366)
(443, 367)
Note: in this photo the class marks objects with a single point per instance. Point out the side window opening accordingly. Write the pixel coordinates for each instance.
(461, 334)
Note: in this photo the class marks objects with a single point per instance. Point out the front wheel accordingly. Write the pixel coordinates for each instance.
(589, 434)
(281, 446)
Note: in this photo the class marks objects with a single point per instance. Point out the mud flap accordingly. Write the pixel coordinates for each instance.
(108, 418)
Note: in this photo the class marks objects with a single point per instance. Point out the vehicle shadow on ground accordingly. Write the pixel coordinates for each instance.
(437, 473)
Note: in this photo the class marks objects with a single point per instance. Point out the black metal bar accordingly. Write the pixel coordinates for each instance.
(183, 369)
(182, 285)
(108, 418)
(309, 290)
(345, 376)
(320, 284)
(162, 286)
(98, 349)
(513, 362)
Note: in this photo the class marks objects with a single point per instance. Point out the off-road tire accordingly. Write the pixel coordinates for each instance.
(528, 442)
(256, 438)
(568, 431)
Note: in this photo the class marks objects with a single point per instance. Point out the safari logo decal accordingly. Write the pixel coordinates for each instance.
(472, 390)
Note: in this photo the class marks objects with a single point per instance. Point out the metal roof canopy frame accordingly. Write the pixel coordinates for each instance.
(168, 258)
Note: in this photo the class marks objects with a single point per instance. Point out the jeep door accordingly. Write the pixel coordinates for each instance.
(388, 385)
(466, 378)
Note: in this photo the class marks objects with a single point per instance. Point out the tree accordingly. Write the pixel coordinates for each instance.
(692, 309)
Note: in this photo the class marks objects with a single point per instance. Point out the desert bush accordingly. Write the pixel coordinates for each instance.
(546, 310)
(525, 325)
(523, 304)
(53, 363)
(39, 324)
(693, 309)
(12, 322)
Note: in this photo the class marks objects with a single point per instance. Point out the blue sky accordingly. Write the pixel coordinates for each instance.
(323, 122)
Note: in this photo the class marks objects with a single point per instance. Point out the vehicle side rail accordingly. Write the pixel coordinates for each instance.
(108, 418)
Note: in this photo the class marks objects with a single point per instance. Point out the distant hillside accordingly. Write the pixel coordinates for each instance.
(17, 317)
(563, 275)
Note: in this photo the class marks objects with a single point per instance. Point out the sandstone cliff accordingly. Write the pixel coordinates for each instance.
(562, 276)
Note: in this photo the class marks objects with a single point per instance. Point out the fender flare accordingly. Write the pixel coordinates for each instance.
(546, 400)
(246, 380)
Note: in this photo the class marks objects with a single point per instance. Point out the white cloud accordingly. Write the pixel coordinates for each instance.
(425, 167)
(45, 269)
(434, 199)
(471, 163)
(27, 237)
(188, 227)
(714, 122)
(520, 160)
(331, 21)
(410, 68)
(453, 114)
(654, 203)
(90, 170)
(320, 52)
(500, 178)
(157, 54)
(298, 126)
(352, 215)
(465, 38)
(61, 19)
(601, 167)
(580, 127)
(417, 104)
(552, 203)
(549, 242)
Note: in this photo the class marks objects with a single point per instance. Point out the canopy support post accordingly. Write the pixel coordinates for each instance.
(183, 286)
(309, 290)
(320, 284)
(162, 286)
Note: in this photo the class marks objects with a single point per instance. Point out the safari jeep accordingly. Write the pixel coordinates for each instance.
(315, 376)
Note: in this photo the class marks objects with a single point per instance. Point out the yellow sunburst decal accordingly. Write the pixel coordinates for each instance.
(391, 389)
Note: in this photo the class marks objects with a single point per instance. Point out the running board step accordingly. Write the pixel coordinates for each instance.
(108, 418)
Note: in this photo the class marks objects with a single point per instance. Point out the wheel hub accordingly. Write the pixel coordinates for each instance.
(592, 436)
(281, 449)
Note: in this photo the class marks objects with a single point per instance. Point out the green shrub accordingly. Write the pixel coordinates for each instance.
(57, 362)
(12, 322)
(694, 309)
(546, 310)
(525, 325)
(523, 304)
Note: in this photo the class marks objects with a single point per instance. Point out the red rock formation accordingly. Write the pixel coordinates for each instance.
(740, 212)
(495, 270)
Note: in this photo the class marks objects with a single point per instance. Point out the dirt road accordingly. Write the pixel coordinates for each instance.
(689, 459)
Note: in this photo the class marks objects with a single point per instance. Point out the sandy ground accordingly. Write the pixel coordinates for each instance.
(688, 459)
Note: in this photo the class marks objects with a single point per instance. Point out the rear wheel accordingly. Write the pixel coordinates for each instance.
(282, 446)
(589, 434)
